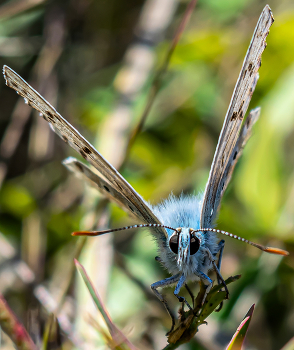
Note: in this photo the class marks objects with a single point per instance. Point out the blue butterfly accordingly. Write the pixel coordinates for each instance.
(188, 244)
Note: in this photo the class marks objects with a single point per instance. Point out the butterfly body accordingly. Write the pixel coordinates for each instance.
(184, 212)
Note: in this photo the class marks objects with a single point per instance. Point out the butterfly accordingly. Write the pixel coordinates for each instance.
(182, 226)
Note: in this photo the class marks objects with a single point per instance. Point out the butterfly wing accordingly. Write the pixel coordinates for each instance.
(122, 191)
(235, 155)
(223, 161)
(83, 172)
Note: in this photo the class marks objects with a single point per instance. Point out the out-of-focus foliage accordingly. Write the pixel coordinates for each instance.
(71, 52)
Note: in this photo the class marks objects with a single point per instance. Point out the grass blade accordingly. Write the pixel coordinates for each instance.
(13, 328)
(239, 336)
(118, 338)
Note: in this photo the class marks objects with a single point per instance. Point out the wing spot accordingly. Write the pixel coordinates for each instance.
(131, 208)
(64, 138)
(87, 150)
(106, 188)
(235, 155)
(223, 185)
(250, 68)
(79, 167)
(83, 154)
(51, 117)
(241, 106)
(234, 116)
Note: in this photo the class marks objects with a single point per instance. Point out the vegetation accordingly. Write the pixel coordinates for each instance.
(96, 62)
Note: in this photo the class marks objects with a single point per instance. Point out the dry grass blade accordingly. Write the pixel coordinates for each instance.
(118, 338)
(13, 328)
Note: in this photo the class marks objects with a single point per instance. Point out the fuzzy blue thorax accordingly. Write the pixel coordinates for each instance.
(184, 212)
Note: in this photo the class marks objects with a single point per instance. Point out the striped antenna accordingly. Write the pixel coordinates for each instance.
(259, 246)
(99, 233)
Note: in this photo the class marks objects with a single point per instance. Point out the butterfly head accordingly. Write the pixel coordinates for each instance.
(184, 242)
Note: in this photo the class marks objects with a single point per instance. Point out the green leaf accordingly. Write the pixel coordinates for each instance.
(17, 200)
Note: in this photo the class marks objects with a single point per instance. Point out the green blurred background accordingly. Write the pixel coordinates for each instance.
(80, 55)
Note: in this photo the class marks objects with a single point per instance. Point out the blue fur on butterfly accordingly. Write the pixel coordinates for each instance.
(184, 211)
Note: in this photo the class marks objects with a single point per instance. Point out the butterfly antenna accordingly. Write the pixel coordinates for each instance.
(99, 233)
(259, 246)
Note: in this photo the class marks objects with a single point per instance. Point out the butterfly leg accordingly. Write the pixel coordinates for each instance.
(219, 276)
(207, 283)
(164, 283)
(191, 294)
(180, 284)
(157, 258)
(221, 246)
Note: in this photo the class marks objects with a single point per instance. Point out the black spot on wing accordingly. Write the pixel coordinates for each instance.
(51, 117)
(106, 188)
(240, 111)
(12, 83)
(82, 153)
(234, 116)
(87, 150)
(64, 138)
(79, 167)
(250, 68)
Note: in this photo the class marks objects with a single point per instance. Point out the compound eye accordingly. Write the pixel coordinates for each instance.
(174, 244)
(194, 245)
